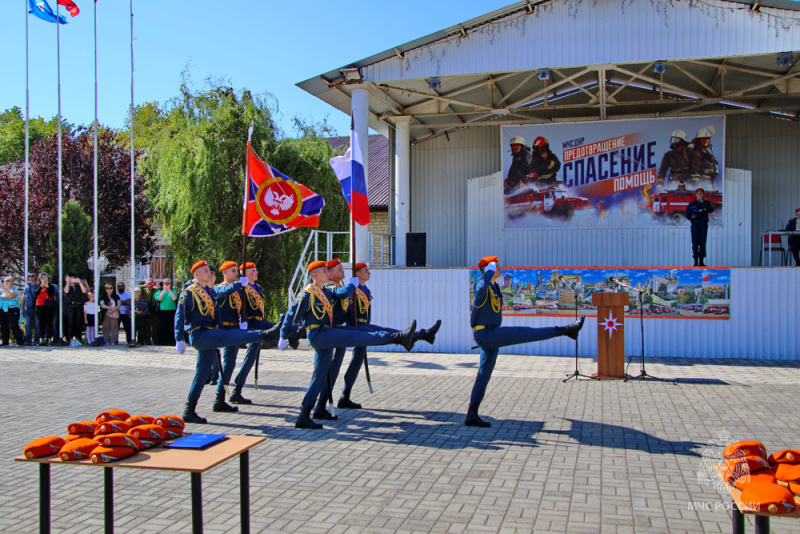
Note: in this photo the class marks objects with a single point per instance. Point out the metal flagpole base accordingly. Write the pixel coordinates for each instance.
(644, 376)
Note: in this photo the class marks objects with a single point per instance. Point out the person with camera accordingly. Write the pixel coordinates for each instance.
(45, 293)
(697, 213)
(75, 291)
(167, 302)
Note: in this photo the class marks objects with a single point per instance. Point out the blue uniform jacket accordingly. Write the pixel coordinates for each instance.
(341, 309)
(229, 302)
(254, 306)
(310, 312)
(701, 209)
(196, 309)
(363, 312)
(487, 303)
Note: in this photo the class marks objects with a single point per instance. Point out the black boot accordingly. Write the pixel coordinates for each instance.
(700, 263)
(190, 416)
(237, 398)
(221, 406)
(406, 337)
(273, 334)
(321, 413)
(472, 418)
(571, 330)
(304, 420)
(294, 339)
(345, 402)
(428, 334)
(696, 261)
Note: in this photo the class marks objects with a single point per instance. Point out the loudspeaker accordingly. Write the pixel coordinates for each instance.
(416, 249)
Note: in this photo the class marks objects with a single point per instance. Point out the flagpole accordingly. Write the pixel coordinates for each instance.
(95, 265)
(131, 309)
(60, 188)
(245, 219)
(27, 149)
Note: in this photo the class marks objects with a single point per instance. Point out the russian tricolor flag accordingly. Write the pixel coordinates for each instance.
(349, 169)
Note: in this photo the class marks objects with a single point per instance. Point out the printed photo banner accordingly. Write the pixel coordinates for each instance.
(667, 292)
(611, 174)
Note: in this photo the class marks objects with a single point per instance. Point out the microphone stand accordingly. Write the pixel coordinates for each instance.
(576, 374)
(639, 293)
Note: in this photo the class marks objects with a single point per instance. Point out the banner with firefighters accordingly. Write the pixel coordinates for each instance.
(666, 292)
(611, 174)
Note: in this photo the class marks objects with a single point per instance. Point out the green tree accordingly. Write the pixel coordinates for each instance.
(12, 133)
(195, 168)
(76, 242)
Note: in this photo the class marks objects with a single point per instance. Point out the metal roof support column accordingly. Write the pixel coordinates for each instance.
(402, 189)
(359, 109)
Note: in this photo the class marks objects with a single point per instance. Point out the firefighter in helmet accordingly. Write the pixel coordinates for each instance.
(676, 160)
(544, 164)
(520, 164)
(703, 166)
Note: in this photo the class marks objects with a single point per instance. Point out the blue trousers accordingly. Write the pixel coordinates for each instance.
(490, 339)
(325, 340)
(206, 342)
(30, 325)
(229, 355)
(336, 365)
(251, 356)
(359, 355)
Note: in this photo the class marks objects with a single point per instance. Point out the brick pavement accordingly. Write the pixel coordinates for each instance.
(584, 456)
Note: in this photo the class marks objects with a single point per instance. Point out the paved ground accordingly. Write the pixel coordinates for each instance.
(588, 456)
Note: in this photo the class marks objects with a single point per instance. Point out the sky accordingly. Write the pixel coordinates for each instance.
(266, 47)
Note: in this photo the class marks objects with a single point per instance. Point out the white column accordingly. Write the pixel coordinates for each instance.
(402, 190)
(359, 106)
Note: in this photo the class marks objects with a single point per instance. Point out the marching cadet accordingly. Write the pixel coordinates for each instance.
(229, 307)
(197, 319)
(254, 307)
(362, 317)
(314, 309)
(485, 321)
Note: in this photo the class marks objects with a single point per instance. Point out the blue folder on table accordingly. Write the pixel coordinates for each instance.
(196, 441)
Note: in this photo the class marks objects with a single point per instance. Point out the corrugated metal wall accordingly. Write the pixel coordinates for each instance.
(606, 31)
(444, 208)
(763, 324)
(670, 245)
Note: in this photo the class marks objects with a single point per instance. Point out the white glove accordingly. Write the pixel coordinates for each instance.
(243, 326)
(181, 347)
(244, 280)
(282, 344)
(354, 281)
(492, 267)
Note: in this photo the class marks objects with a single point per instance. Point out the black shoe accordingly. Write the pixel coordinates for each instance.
(213, 381)
(571, 331)
(345, 402)
(700, 263)
(294, 339)
(323, 414)
(428, 335)
(221, 406)
(696, 261)
(272, 334)
(237, 398)
(190, 416)
(406, 337)
(472, 418)
(304, 420)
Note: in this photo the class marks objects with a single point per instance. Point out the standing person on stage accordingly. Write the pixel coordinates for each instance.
(197, 320)
(167, 299)
(29, 310)
(794, 240)
(363, 318)
(314, 309)
(485, 321)
(697, 212)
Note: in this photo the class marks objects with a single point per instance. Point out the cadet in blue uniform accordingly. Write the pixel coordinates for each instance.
(314, 310)
(229, 307)
(486, 319)
(697, 212)
(361, 316)
(253, 302)
(197, 319)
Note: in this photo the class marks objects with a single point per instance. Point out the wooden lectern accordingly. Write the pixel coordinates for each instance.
(610, 334)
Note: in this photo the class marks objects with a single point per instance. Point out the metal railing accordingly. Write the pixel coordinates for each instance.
(319, 246)
(382, 254)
